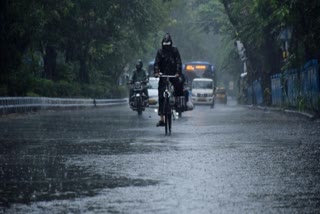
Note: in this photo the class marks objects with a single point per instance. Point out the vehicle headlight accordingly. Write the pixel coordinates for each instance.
(137, 85)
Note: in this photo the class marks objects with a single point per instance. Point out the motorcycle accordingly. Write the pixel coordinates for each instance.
(138, 100)
(183, 103)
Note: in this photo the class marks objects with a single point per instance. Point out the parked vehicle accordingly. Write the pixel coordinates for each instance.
(203, 91)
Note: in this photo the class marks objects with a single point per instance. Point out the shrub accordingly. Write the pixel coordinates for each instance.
(3, 90)
(301, 104)
(66, 89)
(267, 96)
(120, 92)
(42, 87)
(32, 94)
(49, 88)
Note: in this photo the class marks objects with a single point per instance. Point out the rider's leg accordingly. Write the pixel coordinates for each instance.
(145, 91)
(178, 87)
(161, 90)
(130, 95)
(186, 95)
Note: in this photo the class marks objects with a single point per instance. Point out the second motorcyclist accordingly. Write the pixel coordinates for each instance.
(139, 74)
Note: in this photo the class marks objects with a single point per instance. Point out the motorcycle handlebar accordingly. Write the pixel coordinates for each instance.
(167, 76)
(132, 83)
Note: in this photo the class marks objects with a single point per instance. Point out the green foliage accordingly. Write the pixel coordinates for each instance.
(3, 90)
(267, 97)
(119, 92)
(212, 17)
(49, 88)
(95, 91)
(209, 24)
(260, 22)
(259, 25)
(42, 87)
(32, 94)
(66, 89)
(66, 71)
(73, 43)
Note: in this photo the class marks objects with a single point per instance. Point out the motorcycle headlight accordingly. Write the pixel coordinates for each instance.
(137, 85)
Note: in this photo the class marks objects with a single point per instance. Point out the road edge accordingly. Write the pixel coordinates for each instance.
(308, 115)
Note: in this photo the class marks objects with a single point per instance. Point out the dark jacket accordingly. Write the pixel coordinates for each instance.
(139, 75)
(168, 61)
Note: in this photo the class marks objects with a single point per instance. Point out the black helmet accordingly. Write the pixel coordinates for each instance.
(166, 41)
(139, 64)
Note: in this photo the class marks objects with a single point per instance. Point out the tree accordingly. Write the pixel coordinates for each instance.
(257, 24)
(19, 25)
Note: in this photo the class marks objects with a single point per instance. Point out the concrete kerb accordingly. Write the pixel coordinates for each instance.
(305, 114)
(310, 116)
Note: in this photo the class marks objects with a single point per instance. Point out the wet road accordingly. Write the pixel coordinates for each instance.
(230, 159)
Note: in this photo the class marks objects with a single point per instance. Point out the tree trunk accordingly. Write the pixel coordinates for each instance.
(272, 64)
(84, 68)
(84, 73)
(50, 62)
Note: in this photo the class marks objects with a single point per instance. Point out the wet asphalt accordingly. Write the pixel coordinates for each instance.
(230, 159)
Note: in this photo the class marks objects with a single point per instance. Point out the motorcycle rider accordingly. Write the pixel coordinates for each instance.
(140, 75)
(168, 62)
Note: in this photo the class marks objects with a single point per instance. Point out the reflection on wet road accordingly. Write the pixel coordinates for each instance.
(224, 160)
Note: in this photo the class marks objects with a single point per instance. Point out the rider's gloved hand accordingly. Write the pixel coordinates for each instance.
(156, 71)
(158, 74)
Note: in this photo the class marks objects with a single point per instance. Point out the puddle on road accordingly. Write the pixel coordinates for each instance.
(26, 183)
(36, 173)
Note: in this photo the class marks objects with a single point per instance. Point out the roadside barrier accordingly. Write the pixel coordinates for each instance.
(10, 105)
(298, 87)
(276, 89)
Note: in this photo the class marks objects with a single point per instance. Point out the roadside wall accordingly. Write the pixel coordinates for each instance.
(299, 88)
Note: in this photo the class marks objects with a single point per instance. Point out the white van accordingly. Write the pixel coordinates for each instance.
(203, 91)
